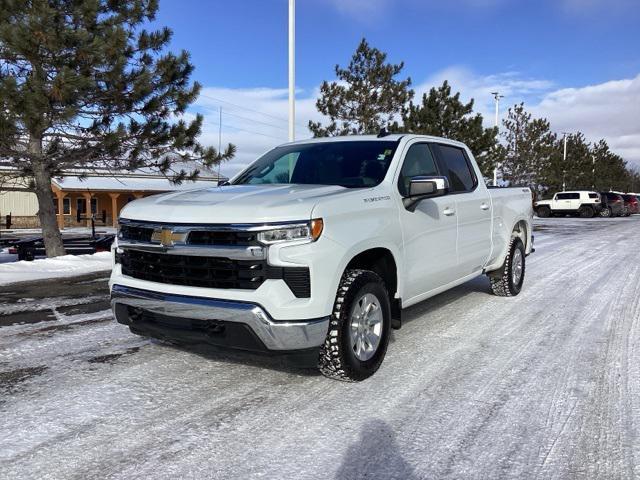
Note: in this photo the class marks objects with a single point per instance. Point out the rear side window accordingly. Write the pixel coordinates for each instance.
(593, 195)
(454, 164)
(417, 162)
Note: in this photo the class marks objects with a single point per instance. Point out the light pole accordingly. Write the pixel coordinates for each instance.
(497, 97)
(564, 162)
(292, 70)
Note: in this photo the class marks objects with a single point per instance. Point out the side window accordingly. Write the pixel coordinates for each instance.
(454, 164)
(574, 196)
(593, 195)
(563, 196)
(417, 162)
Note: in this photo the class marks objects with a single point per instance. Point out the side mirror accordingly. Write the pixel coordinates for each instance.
(425, 187)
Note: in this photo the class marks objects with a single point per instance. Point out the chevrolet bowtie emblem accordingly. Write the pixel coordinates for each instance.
(167, 237)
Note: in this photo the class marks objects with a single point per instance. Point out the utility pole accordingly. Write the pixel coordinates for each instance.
(564, 162)
(292, 70)
(496, 97)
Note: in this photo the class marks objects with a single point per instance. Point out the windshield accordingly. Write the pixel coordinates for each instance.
(353, 164)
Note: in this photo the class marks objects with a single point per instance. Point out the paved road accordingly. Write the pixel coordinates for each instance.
(544, 385)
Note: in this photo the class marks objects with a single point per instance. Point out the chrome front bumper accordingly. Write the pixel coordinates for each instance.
(275, 335)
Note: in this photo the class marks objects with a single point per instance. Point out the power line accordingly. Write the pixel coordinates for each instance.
(250, 131)
(245, 108)
(275, 117)
(255, 121)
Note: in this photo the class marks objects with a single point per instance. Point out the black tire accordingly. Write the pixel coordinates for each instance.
(502, 280)
(586, 212)
(543, 212)
(606, 212)
(337, 357)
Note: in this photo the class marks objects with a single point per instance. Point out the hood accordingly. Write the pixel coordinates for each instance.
(232, 204)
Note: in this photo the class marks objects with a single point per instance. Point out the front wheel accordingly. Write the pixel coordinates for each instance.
(507, 281)
(359, 329)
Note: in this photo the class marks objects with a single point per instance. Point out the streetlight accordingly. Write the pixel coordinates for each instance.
(292, 70)
(497, 97)
(564, 162)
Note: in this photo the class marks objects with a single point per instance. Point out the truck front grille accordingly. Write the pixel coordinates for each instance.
(211, 272)
(140, 233)
(136, 233)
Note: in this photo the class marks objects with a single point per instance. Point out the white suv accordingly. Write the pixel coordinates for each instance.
(583, 203)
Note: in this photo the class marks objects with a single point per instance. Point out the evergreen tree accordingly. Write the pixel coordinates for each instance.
(529, 155)
(366, 96)
(84, 85)
(609, 170)
(578, 166)
(444, 115)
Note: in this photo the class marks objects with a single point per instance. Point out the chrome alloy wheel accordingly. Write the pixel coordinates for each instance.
(516, 266)
(366, 326)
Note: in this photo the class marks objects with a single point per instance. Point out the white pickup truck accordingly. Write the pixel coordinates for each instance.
(314, 250)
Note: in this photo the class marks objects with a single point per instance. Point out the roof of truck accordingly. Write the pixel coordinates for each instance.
(373, 138)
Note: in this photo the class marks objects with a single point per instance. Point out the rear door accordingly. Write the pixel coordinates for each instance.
(473, 208)
(430, 231)
(576, 200)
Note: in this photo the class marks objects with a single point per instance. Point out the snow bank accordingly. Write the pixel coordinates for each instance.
(65, 266)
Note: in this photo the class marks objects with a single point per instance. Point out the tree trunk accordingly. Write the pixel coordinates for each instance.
(46, 211)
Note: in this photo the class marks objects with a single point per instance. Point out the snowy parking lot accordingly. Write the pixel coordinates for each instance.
(543, 385)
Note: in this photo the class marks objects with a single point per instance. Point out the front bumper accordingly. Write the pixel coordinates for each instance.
(224, 323)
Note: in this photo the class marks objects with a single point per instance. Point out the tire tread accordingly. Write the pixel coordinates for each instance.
(330, 361)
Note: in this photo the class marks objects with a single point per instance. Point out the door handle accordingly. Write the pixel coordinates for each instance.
(448, 211)
(484, 206)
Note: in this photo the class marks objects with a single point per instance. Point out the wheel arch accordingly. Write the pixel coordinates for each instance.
(383, 262)
(522, 230)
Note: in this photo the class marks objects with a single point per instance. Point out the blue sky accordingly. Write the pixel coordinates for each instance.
(558, 56)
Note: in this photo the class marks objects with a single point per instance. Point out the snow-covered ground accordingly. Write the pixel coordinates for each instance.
(543, 385)
(53, 268)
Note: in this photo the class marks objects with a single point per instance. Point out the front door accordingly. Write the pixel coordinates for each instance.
(562, 202)
(430, 231)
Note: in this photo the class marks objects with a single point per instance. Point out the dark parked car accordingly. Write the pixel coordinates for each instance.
(631, 203)
(612, 205)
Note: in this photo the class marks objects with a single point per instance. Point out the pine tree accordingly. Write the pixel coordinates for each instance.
(445, 115)
(609, 170)
(529, 155)
(579, 164)
(366, 97)
(83, 85)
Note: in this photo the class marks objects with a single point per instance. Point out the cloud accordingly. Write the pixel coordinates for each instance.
(255, 120)
(608, 110)
(513, 86)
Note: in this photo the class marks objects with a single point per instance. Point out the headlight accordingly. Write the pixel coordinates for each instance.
(309, 231)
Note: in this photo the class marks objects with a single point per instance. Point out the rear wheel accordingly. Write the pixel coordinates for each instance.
(359, 328)
(606, 212)
(508, 280)
(543, 212)
(586, 212)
